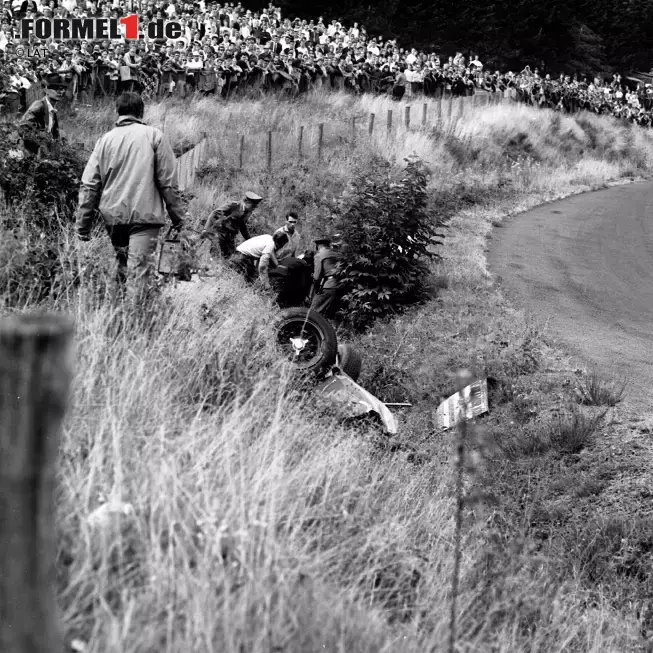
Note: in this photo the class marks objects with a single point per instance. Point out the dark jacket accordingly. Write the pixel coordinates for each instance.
(325, 270)
(229, 219)
(38, 117)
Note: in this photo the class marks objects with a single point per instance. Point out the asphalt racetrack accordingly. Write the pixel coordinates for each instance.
(585, 265)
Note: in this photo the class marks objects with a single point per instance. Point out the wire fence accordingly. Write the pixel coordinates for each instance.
(315, 144)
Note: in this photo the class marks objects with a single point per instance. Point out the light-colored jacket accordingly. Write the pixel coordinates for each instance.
(131, 178)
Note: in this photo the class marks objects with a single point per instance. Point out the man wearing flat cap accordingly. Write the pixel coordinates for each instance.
(41, 116)
(227, 221)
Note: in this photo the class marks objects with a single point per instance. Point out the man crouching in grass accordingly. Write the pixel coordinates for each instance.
(131, 179)
(254, 257)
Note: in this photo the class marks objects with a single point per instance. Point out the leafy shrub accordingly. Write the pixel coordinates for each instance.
(43, 186)
(388, 237)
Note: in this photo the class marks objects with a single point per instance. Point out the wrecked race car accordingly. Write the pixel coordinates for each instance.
(308, 341)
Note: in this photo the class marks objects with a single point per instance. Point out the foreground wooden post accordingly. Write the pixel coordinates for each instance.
(269, 150)
(424, 110)
(204, 143)
(320, 138)
(389, 119)
(241, 153)
(408, 117)
(300, 141)
(353, 130)
(371, 127)
(35, 373)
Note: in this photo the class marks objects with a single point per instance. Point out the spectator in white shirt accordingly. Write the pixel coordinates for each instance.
(475, 64)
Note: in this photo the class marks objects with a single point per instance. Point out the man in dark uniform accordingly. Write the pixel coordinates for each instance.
(325, 294)
(227, 221)
(41, 116)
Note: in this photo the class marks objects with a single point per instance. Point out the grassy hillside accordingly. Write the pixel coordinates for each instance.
(257, 523)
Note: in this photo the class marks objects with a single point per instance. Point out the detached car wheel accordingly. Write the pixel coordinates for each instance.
(349, 361)
(306, 339)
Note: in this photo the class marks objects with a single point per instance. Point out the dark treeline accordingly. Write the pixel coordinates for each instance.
(583, 36)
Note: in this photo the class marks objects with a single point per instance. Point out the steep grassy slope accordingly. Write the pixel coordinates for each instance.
(258, 523)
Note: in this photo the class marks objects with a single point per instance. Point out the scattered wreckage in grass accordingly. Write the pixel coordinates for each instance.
(309, 341)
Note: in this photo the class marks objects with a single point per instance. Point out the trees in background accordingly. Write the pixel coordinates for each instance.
(583, 36)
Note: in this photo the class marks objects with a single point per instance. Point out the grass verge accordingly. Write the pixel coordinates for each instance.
(260, 524)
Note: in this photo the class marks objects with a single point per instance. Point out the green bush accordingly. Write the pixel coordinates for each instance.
(44, 186)
(388, 238)
(40, 194)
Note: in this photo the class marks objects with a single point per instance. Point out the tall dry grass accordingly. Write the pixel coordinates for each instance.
(257, 523)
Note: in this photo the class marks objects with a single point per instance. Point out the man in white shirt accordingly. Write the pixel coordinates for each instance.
(372, 47)
(256, 254)
(476, 64)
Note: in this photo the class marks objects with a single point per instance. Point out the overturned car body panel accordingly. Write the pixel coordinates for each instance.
(355, 401)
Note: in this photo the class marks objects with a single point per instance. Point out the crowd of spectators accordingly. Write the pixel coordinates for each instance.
(226, 49)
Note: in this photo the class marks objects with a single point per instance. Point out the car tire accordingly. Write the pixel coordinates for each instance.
(306, 339)
(349, 361)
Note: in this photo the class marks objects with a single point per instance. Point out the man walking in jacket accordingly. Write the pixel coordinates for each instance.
(131, 179)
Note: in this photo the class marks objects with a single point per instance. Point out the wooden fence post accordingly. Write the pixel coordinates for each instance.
(195, 161)
(35, 374)
(241, 152)
(300, 141)
(353, 130)
(320, 138)
(438, 110)
(181, 173)
(204, 142)
(407, 117)
(424, 110)
(269, 150)
(371, 127)
(389, 119)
